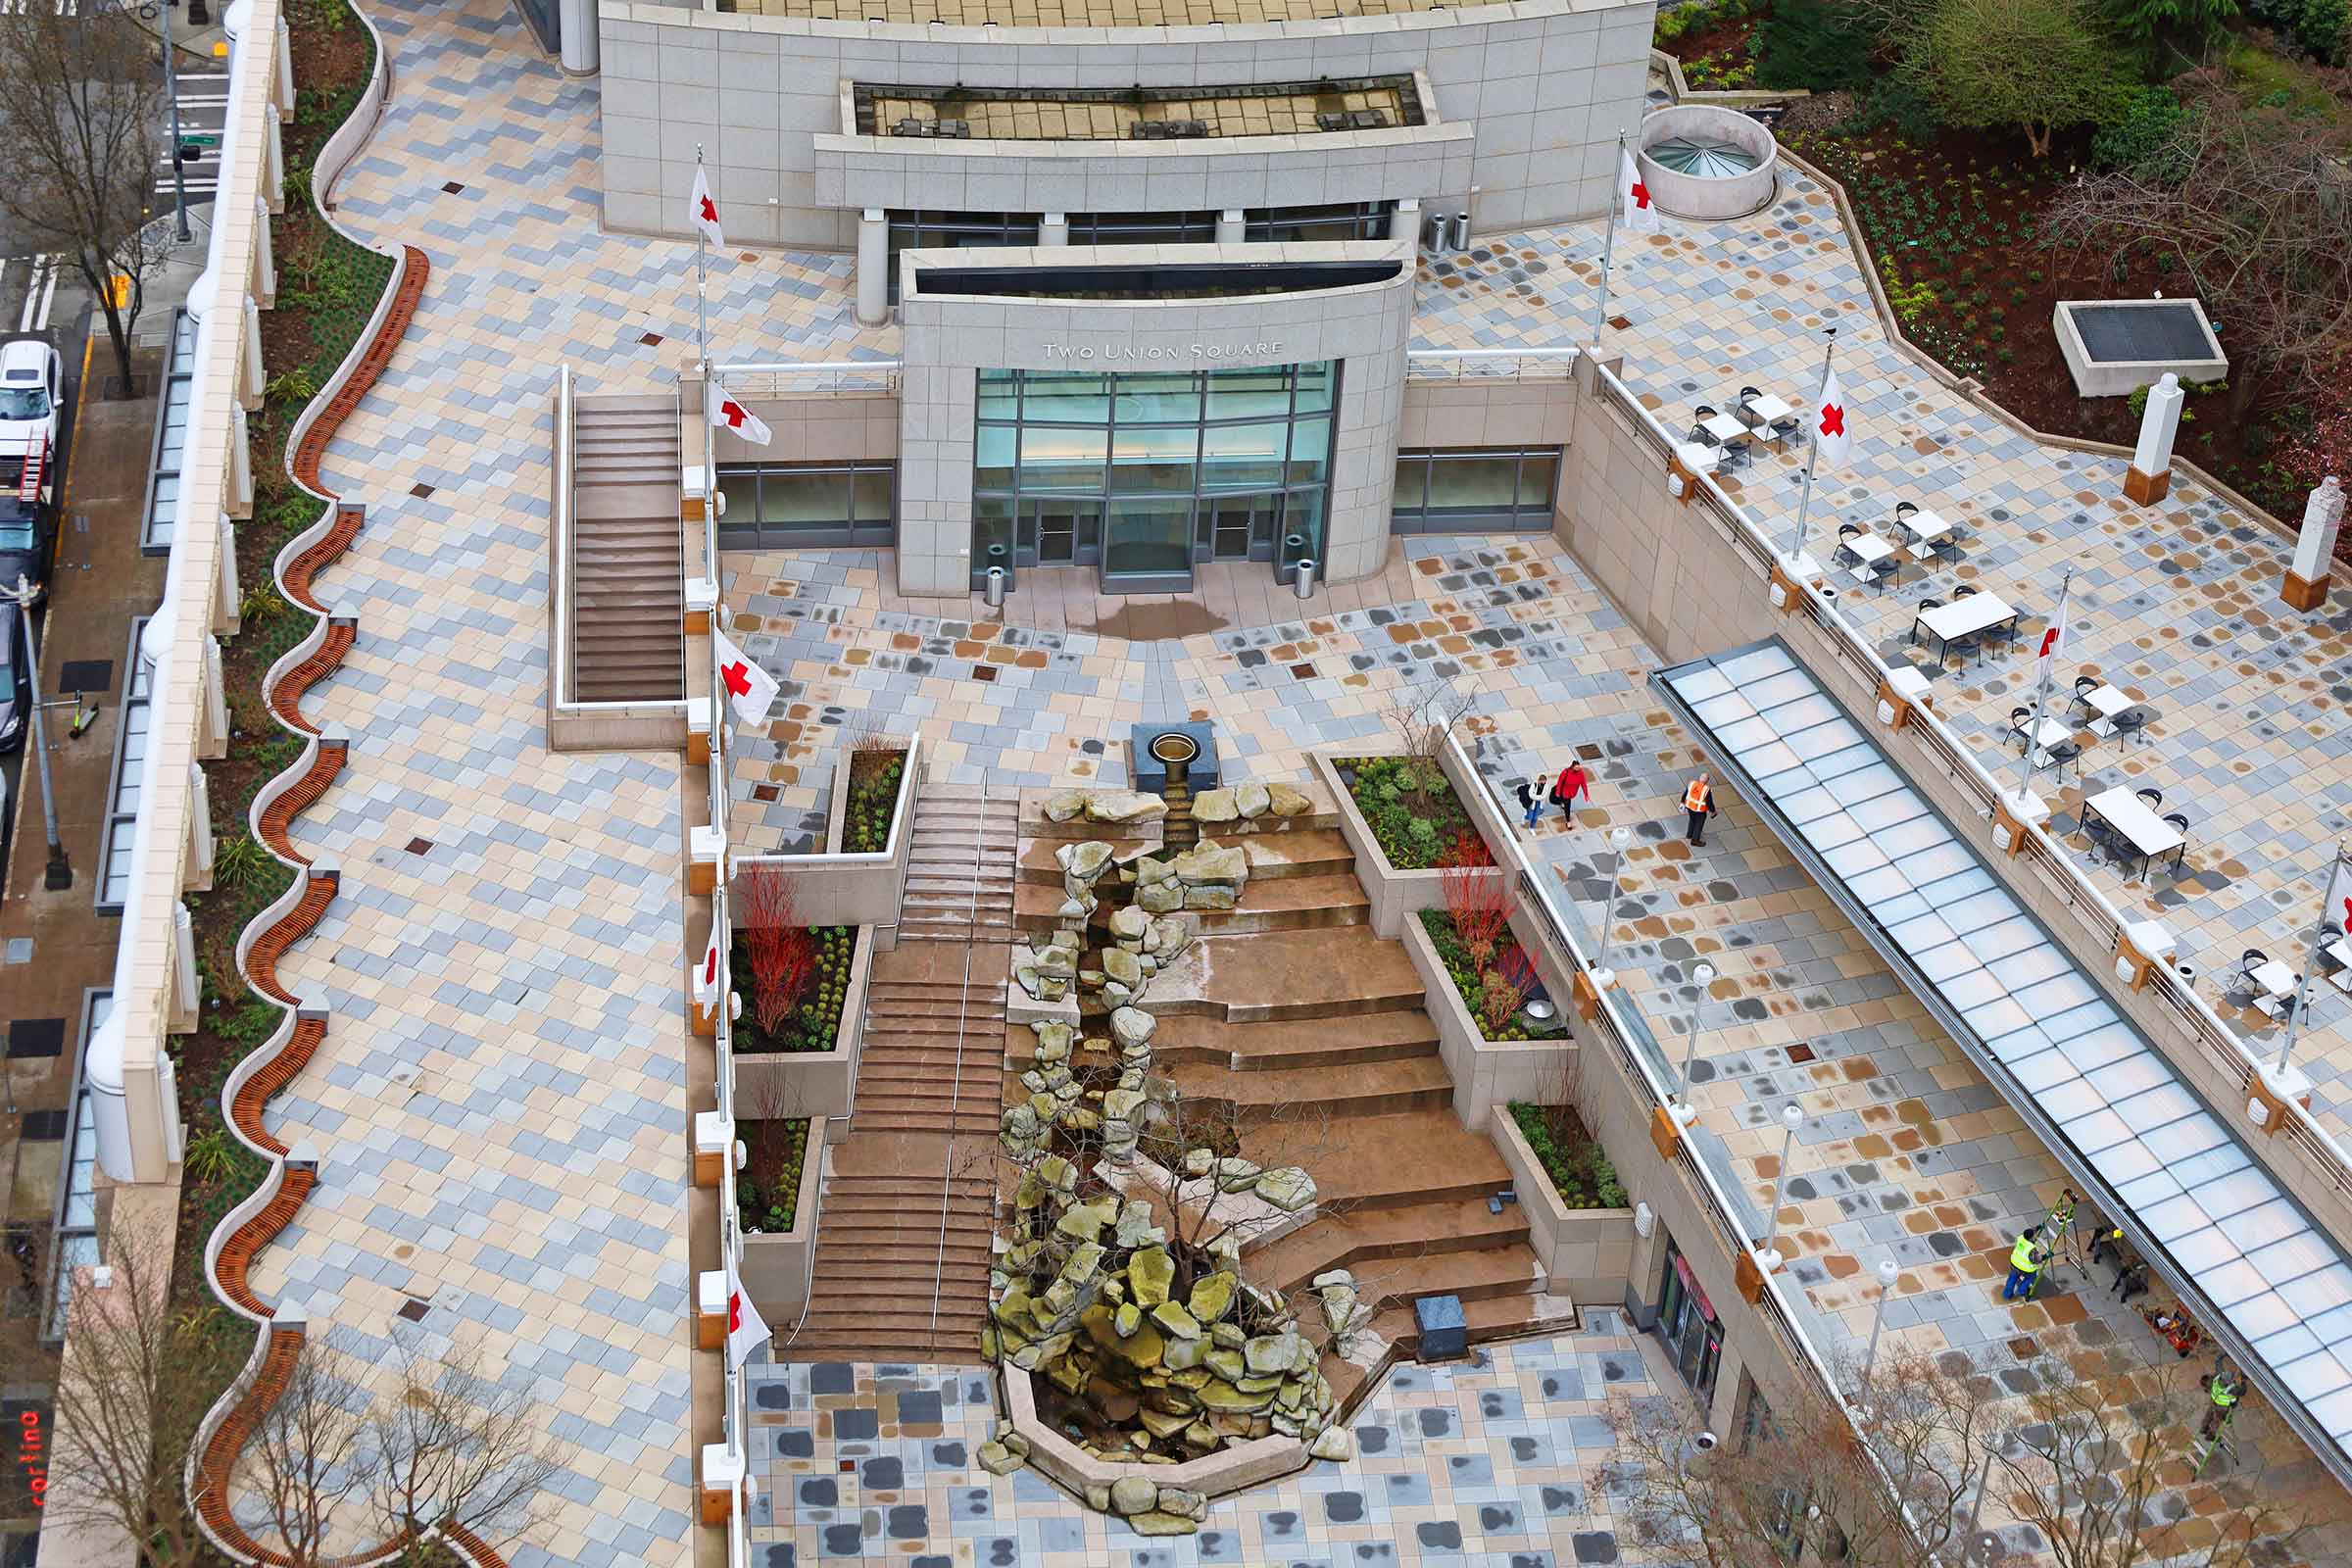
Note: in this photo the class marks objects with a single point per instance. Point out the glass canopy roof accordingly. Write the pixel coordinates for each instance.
(2222, 1227)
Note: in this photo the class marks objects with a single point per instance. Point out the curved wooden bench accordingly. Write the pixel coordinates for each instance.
(313, 446)
(304, 570)
(291, 802)
(285, 698)
(245, 1107)
(261, 959)
(238, 1251)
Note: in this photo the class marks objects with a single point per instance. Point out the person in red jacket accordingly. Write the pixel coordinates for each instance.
(1572, 782)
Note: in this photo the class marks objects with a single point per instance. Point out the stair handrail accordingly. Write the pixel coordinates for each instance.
(963, 1003)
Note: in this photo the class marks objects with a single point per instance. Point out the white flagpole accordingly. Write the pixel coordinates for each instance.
(2042, 696)
(702, 288)
(1804, 502)
(2310, 961)
(1608, 244)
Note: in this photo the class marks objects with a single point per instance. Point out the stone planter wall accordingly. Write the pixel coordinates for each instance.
(1588, 1252)
(1231, 1469)
(1486, 1073)
(837, 810)
(1395, 895)
(838, 889)
(776, 1269)
(814, 1083)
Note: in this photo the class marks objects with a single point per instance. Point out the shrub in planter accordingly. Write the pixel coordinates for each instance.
(1413, 814)
(768, 1191)
(1579, 1168)
(873, 800)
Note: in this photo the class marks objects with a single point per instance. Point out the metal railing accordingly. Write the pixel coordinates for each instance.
(1551, 364)
(2093, 912)
(963, 1008)
(755, 378)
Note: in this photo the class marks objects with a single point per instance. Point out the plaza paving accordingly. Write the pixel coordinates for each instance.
(526, 957)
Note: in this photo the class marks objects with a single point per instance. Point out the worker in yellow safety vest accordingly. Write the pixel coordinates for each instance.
(2223, 1390)
(1699, 800)
(2025, 1264)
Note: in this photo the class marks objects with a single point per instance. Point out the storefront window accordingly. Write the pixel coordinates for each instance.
(1155, 470)
(1476, 489)
(1687, 1326)
(786, 506)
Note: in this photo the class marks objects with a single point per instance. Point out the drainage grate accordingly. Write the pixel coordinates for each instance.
(766, 794)
(984, 673)
(36, 1037)
(44, 1126)
(414, 1310)
(1303, 672)
(650, 339)
(85, 676)
(420, 845)
(1798, 1054)
(420, 491)
(451, 188)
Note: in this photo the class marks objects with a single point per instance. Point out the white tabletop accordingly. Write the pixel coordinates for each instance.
(1961, 617)
(2107, 701)
(2275, 978)
(1768, 408)
(2129, 815)
(1923, 525)
(1697, 458)
(2049, 732)
(2341, 951)
(1723, 427)
(1868, 548)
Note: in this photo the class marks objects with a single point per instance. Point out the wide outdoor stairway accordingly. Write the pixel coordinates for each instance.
(1315, 1034)
(627, 633)
(960, 866)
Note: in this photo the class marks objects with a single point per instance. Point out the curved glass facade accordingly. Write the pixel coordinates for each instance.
(1147, 471)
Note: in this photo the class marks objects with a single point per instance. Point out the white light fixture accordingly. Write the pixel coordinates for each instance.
(1702, 975)
(1768, 1256)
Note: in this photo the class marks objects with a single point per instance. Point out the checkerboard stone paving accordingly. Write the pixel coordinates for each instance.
(1495, 1461)
(2175, 603)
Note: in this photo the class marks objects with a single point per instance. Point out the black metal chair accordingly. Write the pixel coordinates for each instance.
(2017, 728)
(1964, 590)
(2248, 961)
(1846, 531)
(2180, 821)
(1968, 645)
(1925, 604)
(2104, 845)
(1734, 453)
(2084, 685)
(2129, 722)
(2150, 793)
(2063, 753)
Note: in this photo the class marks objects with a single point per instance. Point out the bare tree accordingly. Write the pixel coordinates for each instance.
(453, 1447)
(306, 1463)
(2256, 205)
(80, 101)
(132, 1388)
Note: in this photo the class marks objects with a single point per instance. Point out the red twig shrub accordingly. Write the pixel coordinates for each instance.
(1505, 990)
(1467, 848)
(1479, 907)
(781, 949)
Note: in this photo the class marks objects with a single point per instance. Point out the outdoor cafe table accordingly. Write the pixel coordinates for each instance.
(2341, 951)
(2107, 703)
(1925, 528)
(2151, 835)
(1723, 427)
(1869, 548)
(2277, 983)
(1973, 614)
(1763, 409)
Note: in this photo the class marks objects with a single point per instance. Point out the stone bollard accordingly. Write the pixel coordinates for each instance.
(2151, 475)
(2306, 586)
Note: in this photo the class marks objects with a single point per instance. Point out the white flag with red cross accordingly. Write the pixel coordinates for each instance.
(1832, 441)
(2053, 640)
(705, 211)
(731, 415)
(2339, 896)
(1639, 214)
(705, 974)
(749, 687)
(746, 1330)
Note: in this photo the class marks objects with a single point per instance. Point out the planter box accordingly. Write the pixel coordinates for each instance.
(1058, 1459)
(840, 888)
(814, 1083)
(1486, 1073)
(1395, 895)
(837, 809)
(776, 1268)
(1588, 1253)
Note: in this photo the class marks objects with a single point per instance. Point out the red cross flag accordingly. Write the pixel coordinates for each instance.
(749, 687)
(729, 415)
(1832, 442)
(705, 974)
(1632, 197)
(705, 214)
(746, 1330)
(2339, 897)
(2052, 641)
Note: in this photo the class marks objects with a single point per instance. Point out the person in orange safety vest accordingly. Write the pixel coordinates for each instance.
(1699, 800)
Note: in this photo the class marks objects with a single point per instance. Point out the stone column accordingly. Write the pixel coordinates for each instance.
(239, 502)
(1054, 229)
(252, 375)
(576, 27)
(2151, 475)
(1231, 229)
(873, 267)
(228, 598)
(273, 164)
(2306, 585)
(212, 724)
(1406, 223)
(265, 259)
(281, 76)
(196, 872)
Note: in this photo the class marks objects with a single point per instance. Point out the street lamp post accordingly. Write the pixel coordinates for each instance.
(180, 178)
(60, 873)
(1703, 975)
(1619, 839)
(1768, 1257)
(1887, 1271)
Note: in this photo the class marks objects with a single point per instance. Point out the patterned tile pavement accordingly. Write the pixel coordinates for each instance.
(1497, 1461)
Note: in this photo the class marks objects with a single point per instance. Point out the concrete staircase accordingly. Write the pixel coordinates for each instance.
(903, 1239)
(628, 633)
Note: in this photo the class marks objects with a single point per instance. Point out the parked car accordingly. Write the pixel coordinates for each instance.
(32, 380)
(28, 529)
(16, 683)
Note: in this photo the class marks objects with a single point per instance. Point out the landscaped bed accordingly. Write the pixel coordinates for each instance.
(769, 1191)
(792, 982)
(1579, 1171)
(1497, 992)
(874, 777)
(1413, 813)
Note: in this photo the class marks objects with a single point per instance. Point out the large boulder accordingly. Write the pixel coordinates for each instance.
(1252, 799)
(1119, 967)
(1133, 1495)
(1287, 1188)
(1160, 898)
(1124, 806)
(1215, 807)
(1053, 1040)
(1284, 800)
(1213, 895)
(1132, 1027)
(1064, 805)
(1270, 1354)
(1212, 1297)
(1086, 861)
(1150, 1273)
(1129, 924)
(1160, 1522)
(1211, 862)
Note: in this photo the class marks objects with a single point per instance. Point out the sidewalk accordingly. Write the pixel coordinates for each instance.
(54, 945)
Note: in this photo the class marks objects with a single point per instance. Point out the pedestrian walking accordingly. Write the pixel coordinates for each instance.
(1699, 802)
(1572, 782)
(1530, 802)
(2222, 1391)
(2133, 1281)
(2025, 1266)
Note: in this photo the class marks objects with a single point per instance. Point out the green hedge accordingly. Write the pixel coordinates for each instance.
(1581, 1173)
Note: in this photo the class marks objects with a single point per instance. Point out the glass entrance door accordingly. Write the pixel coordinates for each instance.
(1237, 528)
(1146, 544)
(1059, 531)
